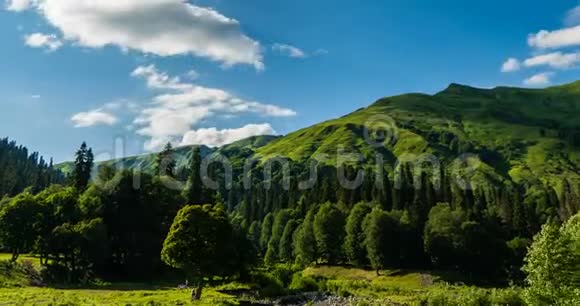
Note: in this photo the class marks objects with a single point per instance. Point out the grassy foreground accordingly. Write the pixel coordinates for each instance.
(399, 287)
(353, 286)
(166, 296)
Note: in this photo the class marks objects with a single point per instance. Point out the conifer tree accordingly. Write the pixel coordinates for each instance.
(164, 163)
(266, 232)
(285, 249)
(194, 193)
(304, 241)
(353, 244)
(382, 232)
(329, 232)
(84, 160)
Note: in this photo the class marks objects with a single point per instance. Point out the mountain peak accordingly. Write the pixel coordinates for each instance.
(455, 88)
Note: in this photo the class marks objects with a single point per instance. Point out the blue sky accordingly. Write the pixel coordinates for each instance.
(144, 72)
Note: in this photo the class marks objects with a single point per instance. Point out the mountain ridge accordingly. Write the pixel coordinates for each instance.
(518, 134)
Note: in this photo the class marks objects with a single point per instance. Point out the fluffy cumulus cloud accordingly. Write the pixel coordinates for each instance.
(180, 105)
(511, 64)
(215, 138)
(540, 79)
(92, 118)
(40, 40)
(555, 39)
(555, 60)
(544, 50)
(159, 27)
(289, 50)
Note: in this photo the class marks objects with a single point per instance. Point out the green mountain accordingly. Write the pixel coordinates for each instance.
(146, 162)
(508, 134)
(519, 135)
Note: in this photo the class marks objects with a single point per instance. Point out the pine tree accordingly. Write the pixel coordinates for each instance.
(304, 241)
(194, 193)
(266, 232)
(84, 160)
(285, 249)
(353, 244)
(165, 164)
(382, 232)
(329, 232)
(280, 221)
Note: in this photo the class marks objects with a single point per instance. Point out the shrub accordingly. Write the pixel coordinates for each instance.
(268, 285)
(511, 297)
(473, 297)
(283, 274)
(459, 297)
(303, 283)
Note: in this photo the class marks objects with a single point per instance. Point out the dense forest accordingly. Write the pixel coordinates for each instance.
(20, 169)
(127, 225)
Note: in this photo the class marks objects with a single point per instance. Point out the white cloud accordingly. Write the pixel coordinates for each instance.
(192, 74)
(92, 118)
(573, 17)
(159, 27)
(321, 51)
(180, 106)
(555, 39)
(555, 60)
(40, 40)
(510, 65)
(539, 79)
(19, 5)
(216, 138)
(35, 97)
(289, 50)
(159, 80)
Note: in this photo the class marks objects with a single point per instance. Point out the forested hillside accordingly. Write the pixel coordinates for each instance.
(182, 155)
(20, 169)
(459, 181)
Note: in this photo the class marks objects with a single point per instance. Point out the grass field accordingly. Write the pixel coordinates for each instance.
(399, 287)
(166, 296)
(391, 287)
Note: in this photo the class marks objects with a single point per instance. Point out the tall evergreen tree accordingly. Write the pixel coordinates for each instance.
(329, 232)
(164, 163)
(282, 218)
(266, 232)
(84, 160)
(382, 232)
(194, 193)
(304, 241)
(353, 244)
(285, 249)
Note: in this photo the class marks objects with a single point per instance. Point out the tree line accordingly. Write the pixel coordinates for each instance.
(20, 169)
(104, 225)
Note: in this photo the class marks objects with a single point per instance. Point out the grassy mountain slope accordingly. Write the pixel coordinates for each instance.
(517, 133)
(514, 134)
(146, 162)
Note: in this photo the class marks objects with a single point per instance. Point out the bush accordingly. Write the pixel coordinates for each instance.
(60, 274)
(268, 285)
(435, 298)
(459, 297)
(303, 283)
(473, 297)
(511, 297)
(283, 274)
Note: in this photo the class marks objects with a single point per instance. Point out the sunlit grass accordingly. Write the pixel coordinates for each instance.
(49, 296)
